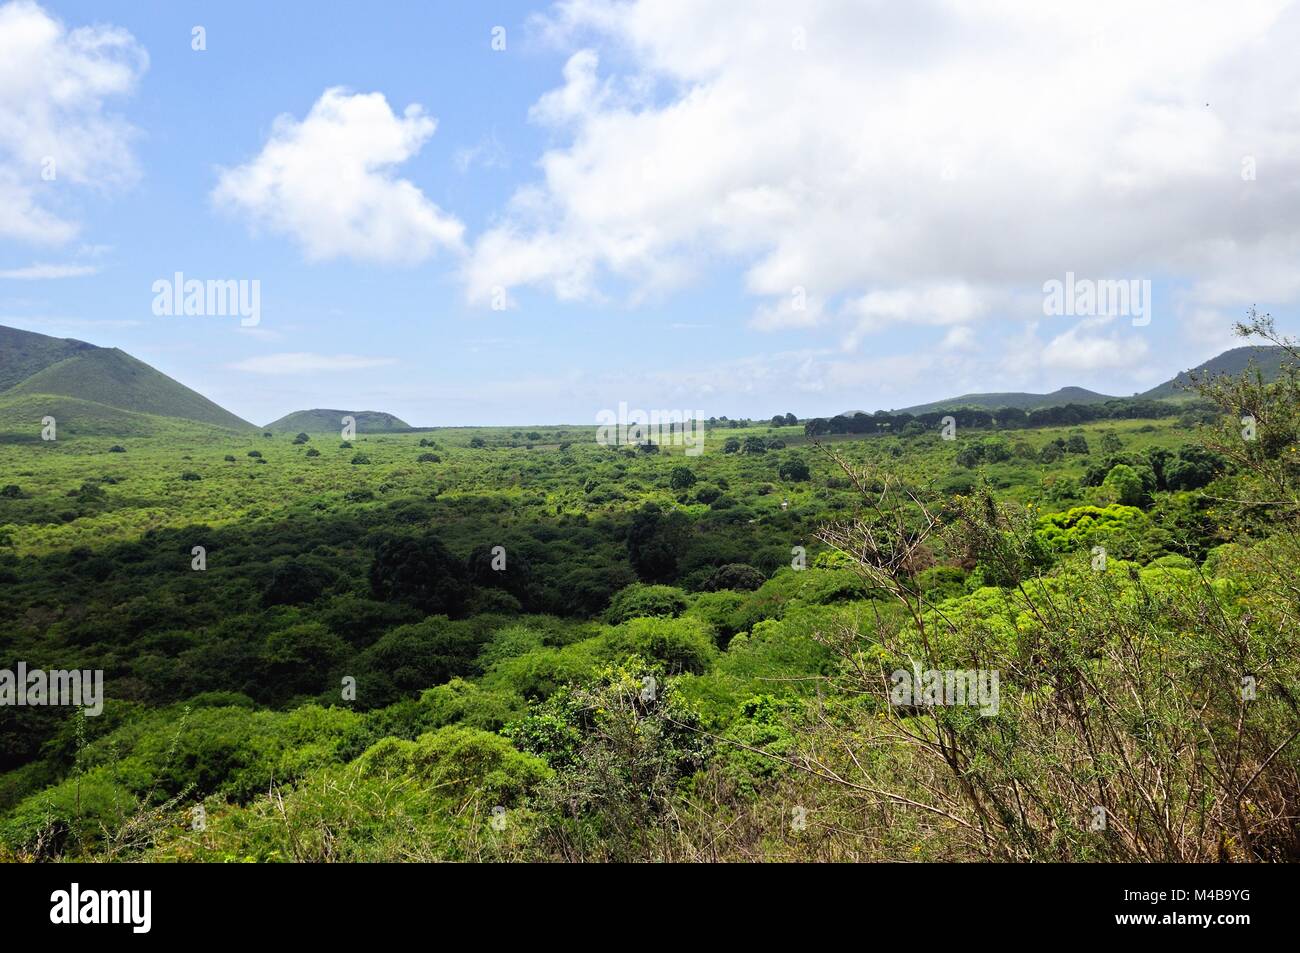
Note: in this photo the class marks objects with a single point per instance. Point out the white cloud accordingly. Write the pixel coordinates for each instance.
(308, 363)
(39, 272)
(921, 162)
(1085, 347)
(959, 338)
(327, 182)
(55, 86)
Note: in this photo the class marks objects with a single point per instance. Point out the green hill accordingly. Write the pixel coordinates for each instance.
(331, 421)
(1233, 362)
(21, 415)
(1066, 395)
(23, 353)
(92, 390)
(115, 379)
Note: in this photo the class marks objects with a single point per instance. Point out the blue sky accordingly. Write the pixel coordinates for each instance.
(649, 189)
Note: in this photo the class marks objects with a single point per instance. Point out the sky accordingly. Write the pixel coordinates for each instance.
(495, 213)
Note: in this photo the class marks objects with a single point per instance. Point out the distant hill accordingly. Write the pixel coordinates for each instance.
(1234, 362)
(331, 421)
(1066, 395)
(38, 366)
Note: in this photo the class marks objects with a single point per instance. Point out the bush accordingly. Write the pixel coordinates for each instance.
(735, 576)
(681, 645)
(459, 763)
(74, 814)
(414, 657)
(794, 470)
(682, 478)
(642, 601)
(707, 494)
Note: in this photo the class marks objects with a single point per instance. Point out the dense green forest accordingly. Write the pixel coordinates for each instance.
(516, 644)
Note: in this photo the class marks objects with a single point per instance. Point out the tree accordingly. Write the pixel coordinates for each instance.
(656, 541)
(682, 478)
(731, 445)
(1124, 485)
(301, 438)
(296, 582)
(300, 658)
(794, 470)
(414, 657)
(1194, 468)
(735, 576)
(639, 601)
(478, 443)
(419, 570)
(505, 568)
(754, 445)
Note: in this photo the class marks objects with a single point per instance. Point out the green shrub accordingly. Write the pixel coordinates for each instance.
(639, 600)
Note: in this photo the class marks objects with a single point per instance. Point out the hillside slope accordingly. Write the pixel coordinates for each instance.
(993, 401)
(1233, 362)
(114, 378)
(21, 416)
(321, 420)
(24, 353)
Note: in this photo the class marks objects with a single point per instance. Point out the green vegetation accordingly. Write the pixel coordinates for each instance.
(501, 644)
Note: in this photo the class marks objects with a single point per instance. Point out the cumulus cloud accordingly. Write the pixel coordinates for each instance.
(327, 182)
(55, 129)
(916, 162)
(1086, 347)
(303, 362)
